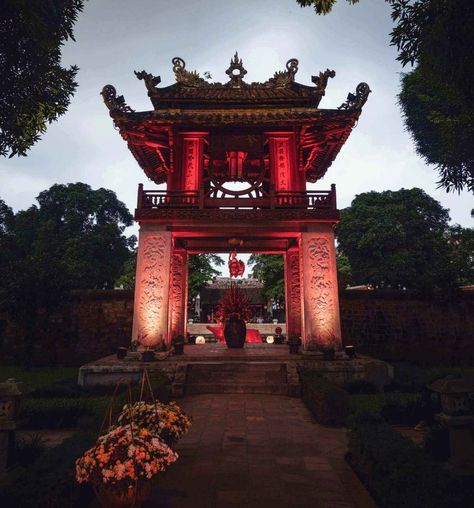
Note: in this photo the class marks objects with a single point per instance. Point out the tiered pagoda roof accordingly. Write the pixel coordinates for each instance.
(193, 102)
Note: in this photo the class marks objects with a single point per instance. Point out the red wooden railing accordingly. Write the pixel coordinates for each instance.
(313, 200)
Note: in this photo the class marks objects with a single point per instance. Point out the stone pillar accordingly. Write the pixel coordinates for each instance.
(178, 293)
(150, 312)
(293, 292)
(321, 323)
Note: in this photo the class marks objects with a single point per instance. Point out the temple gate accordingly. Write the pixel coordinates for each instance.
(270, 137)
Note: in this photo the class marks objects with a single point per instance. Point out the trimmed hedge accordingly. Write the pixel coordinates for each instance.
(50, 481)
(398, 474)
(328, 402)
(396, 408)
(61, 412)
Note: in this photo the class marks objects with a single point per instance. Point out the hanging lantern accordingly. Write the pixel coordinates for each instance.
(236, 266)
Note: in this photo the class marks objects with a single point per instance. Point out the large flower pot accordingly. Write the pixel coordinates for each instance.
(134, 497)
(235, 332)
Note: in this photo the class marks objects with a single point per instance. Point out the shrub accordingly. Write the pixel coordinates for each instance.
(361, 386)
(328, 402)
(50, 481)
(60, 412)
(398, 474)
(437, 442)
(396, 408)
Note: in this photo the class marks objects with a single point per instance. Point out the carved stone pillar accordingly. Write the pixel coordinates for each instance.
(321, 324)
(293, 292)
(150, 313)
(178, 293)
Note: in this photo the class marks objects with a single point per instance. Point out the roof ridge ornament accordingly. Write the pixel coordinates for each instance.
(321, 81)
(285, 78)
(114, 102)
(357, 100)
(150, 80)
(236, 79)
(188, 78)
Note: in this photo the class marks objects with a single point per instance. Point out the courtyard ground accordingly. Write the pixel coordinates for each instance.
(255, 451)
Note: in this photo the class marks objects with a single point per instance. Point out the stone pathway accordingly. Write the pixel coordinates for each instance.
(248, 450)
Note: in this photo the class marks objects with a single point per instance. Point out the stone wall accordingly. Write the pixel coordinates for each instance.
(399, 325)
(390, 325)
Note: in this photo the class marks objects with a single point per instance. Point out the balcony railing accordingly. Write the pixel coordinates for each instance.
(312, 200)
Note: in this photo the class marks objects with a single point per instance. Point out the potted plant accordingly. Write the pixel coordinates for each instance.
(122, 465)
(178, 344)
(121, 353)
(294, 344)
(279, 337)
(329, 353)
(166, 421)
(234, 311)
(148, 355)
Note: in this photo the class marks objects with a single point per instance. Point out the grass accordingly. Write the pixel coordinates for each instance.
(38, 377)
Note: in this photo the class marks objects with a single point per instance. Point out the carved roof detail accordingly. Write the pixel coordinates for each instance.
(194, 102)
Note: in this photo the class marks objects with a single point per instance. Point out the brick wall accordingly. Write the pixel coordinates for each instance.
(391, 325)
(399, 325)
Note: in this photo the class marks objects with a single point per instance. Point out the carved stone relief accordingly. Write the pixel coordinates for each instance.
(151, 293)
(293, 284)
(322, 326)
(178, 293)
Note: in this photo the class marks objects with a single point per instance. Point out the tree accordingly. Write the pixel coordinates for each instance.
(401, 239)
(436, 98)
(74, 239)
(269, 269)
(35, 89)
(201, 271)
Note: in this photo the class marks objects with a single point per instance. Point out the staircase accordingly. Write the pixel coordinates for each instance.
(255, 377)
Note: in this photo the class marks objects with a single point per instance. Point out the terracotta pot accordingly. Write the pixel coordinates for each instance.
(110, 497)
(235, 332)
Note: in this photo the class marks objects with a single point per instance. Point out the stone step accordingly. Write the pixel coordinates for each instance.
(275, 389)
(236, 374)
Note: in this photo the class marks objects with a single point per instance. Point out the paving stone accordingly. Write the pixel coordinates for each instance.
(253, 451)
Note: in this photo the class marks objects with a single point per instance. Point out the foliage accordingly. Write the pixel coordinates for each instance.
(122, 456)
(437, 98)
(328, 402)
(36, 89)
(269, 269)
(57, 412)
(436, 442)
(397, 473)
(126, 278)
(401, 239)
(344, 271)
(49, 481)
(439, 119)
(234, 303)
(74, 239)
(37, 378)
(201, 271)
(396, 408)
(322, 6)
(166, 421)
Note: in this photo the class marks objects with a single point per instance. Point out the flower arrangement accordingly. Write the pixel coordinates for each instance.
(166, 421)
(234, 303)
(123, 456)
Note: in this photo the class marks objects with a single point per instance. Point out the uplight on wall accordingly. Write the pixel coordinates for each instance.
(200, 339)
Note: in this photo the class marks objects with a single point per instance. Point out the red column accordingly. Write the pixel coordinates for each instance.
(178, 293)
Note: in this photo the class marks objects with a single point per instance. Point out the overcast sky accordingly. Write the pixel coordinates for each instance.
(116, 37)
